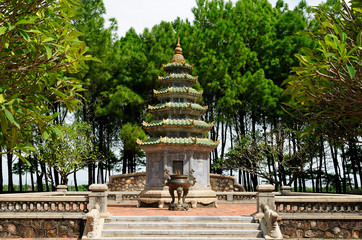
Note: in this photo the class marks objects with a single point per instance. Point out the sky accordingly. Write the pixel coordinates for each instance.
(141, 14)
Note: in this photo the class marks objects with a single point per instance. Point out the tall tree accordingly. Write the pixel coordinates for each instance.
(327, 87)
(38, 44)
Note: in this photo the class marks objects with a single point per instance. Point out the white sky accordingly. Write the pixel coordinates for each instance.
(141, 14)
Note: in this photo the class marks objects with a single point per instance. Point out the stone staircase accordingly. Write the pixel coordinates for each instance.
(181, 227)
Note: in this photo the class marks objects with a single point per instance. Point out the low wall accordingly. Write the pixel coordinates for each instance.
(320, 216)
(54, 215)
(127, 182)
(41, 228)
(224, 183)
(326, 228)
(136, 182)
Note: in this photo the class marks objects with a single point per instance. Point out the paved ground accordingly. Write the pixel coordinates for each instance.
(122, 209)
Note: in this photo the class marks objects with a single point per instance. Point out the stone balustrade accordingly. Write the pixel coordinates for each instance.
(58, 214)
(312, 215)
(320, 204)
(234, 197)
(44, 204)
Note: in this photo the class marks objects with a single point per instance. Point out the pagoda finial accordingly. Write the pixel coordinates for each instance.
(177, 57)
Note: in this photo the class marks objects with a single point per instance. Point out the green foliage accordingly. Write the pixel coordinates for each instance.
(71, 152)
(129, 135)
(38, 45)
(81, 188)
(327, 87)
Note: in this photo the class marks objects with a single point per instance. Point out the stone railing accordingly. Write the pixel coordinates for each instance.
(318, 204)
(308, 215)
(236, 196)
(58, 214)
(123, 196)
(223, 197)
(44, 204)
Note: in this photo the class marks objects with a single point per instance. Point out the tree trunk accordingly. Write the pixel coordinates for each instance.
(1, 173)
(303, 181)
(20, 175)
(266, 144)
(32, 177)
(355, 163)
(10, 172)
(311, 175)
(319, 171)
(247, 180)
(326, 172)
(56, 177)
(125, 161)
(43, 169)
(345, 171)
(75, 181)
(90, 174)
(337, 179)
(39, 176)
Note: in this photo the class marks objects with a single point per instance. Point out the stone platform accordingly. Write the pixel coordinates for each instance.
(130, 209)
(196, 198)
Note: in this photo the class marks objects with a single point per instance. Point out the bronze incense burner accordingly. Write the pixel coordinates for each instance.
(180, 184)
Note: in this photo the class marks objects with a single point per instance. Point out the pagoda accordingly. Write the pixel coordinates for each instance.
(177, 142)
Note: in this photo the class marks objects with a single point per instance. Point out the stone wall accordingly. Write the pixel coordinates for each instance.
(127, 182)
(136, 182)
(335, 229)
(223, 183)
(41, 228)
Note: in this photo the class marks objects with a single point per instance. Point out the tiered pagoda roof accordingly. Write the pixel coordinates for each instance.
(178, 115)
(177, 90)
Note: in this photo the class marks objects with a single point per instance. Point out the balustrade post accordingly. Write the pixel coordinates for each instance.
(98, 196)
(286, 190)
(62, 188)
(264, 196)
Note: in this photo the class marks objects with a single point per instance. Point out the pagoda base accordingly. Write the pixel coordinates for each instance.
(161, 198)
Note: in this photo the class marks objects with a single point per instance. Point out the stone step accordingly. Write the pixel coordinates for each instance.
(181, 238)
(181, 228)
(180, 232)
(180, 225)
(236, 219)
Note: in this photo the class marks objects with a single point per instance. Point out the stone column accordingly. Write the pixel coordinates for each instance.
(98, 199)
(62, 188)
(265, 196)
(286, 190)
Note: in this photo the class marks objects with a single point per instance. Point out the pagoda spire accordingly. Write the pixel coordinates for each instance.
(178, 57)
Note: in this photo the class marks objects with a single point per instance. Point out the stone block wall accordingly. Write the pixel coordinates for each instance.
(137, 181)
(41, 228)
(335, 229)
(223, 183)
(127, 182)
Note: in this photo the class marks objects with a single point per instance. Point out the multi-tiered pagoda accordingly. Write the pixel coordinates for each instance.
(178, 142)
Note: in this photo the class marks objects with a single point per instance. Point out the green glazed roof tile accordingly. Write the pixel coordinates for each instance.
(178, 122)
(193, 106)
(178, 90)
(179, 76)
(182, 141)
(178, 64)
